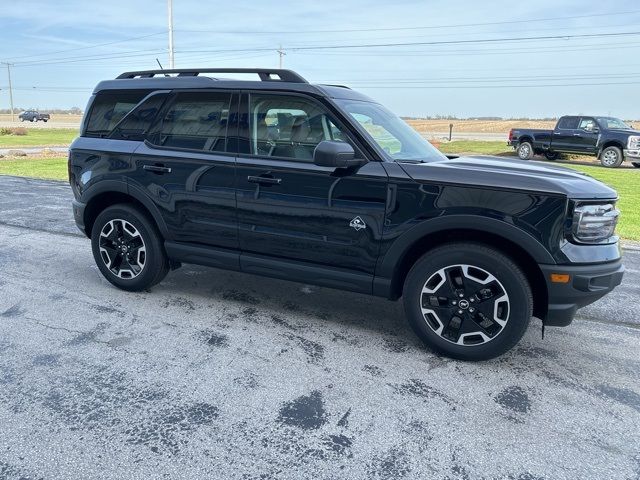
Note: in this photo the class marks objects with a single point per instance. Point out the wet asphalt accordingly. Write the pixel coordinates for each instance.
(216, 374)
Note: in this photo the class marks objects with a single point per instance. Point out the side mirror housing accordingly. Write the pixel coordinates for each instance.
(329, 153)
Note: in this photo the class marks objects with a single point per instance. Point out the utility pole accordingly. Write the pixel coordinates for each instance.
(170, 5)
(10, 89)
(281, 53)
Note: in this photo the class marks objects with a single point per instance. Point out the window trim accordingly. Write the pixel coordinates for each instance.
(245, 134)
(157, 124)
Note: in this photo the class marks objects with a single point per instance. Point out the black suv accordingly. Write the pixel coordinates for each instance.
(320, 184)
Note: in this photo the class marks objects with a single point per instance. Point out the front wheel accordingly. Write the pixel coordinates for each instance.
(525, 151)
(611, 157)
(468, 301)
(128, 249)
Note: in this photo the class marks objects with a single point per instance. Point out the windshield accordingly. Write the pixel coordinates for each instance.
(608, 122)
(398, 140)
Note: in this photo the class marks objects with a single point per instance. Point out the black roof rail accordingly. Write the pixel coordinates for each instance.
(265, 74)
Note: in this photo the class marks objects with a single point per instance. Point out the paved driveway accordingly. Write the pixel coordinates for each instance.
(217, 374)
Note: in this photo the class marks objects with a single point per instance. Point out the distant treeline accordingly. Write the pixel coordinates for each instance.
(57, 111)
(486, 119)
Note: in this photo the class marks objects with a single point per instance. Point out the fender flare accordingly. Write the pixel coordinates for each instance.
(401, 245)
(121, 186)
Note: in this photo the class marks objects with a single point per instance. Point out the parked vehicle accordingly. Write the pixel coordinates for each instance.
(610, 139)
(33, 116)
(320, 184)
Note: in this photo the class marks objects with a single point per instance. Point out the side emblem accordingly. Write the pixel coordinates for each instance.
(357, 223)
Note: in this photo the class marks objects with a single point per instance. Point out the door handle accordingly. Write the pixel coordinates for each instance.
(264, 180)
(157, 168)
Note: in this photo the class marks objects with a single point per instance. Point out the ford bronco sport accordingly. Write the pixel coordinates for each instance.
(320, 184)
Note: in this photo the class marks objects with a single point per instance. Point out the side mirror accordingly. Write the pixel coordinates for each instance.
(335, 154)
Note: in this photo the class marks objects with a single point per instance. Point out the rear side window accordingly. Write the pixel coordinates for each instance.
(568, 123)
(109, 108)
(196, 121)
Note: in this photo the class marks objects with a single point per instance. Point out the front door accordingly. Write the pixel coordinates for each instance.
(291, 209)
(587, 140)
(187, 166)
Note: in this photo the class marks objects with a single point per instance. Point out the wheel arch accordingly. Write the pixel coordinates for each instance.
(526, 138)
(612, 143)
(109, 193)
(523, 249)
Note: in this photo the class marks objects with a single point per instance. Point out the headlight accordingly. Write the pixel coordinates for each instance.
(634, 142)
(594, 223)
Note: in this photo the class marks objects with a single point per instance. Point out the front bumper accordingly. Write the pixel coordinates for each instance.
(587, 284)
(632, 154)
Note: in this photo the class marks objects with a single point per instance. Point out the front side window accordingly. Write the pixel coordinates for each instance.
(398, 140)
(588, 124)
(196, 121)
(289, 126)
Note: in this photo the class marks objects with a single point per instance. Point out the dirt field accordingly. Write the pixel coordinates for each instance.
(481, 126)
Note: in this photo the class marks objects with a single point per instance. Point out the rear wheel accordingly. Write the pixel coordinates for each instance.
(127, 248)
(611, 157)
(468, 301)
(551, 155)
(525, 151)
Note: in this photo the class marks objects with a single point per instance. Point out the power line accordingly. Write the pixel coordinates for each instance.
(508, 22)
(87, 47)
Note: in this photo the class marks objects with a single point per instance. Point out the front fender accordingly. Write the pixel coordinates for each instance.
(401, 245)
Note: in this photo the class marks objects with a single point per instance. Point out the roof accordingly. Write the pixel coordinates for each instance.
(269, 79)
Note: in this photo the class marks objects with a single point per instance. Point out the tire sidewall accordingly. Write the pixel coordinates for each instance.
(529, 155)
(512, 279)
(155, 256)
(617, 163)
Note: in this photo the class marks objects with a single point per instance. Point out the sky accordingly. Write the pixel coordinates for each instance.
(420, 58)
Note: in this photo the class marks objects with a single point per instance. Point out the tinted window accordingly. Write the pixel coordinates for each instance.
(137, 123)
(289, 126)
(109, 108)
(568, 123)
(196, 121)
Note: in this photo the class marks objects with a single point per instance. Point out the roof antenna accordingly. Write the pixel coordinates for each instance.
(161, 67)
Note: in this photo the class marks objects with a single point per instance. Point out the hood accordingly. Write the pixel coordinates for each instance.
(624, 131)
(510, 174)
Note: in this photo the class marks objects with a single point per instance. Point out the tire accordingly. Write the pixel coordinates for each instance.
(635, 164)
(33, 119)
(611, 157)
(145, 263)
(551, 155)
(525, 151)
(44, 120)
(500, 298)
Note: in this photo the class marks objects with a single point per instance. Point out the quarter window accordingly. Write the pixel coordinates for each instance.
(196, 121)
(289, 127)
(109, 108)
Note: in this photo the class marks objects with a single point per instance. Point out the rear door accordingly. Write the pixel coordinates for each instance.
(291, 209)
(187, 166)
(564, 135)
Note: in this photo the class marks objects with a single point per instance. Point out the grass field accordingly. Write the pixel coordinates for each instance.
(625, 181)
(53, 168)
(40, 137)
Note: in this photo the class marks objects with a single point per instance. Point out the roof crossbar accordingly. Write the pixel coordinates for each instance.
(265, 74)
